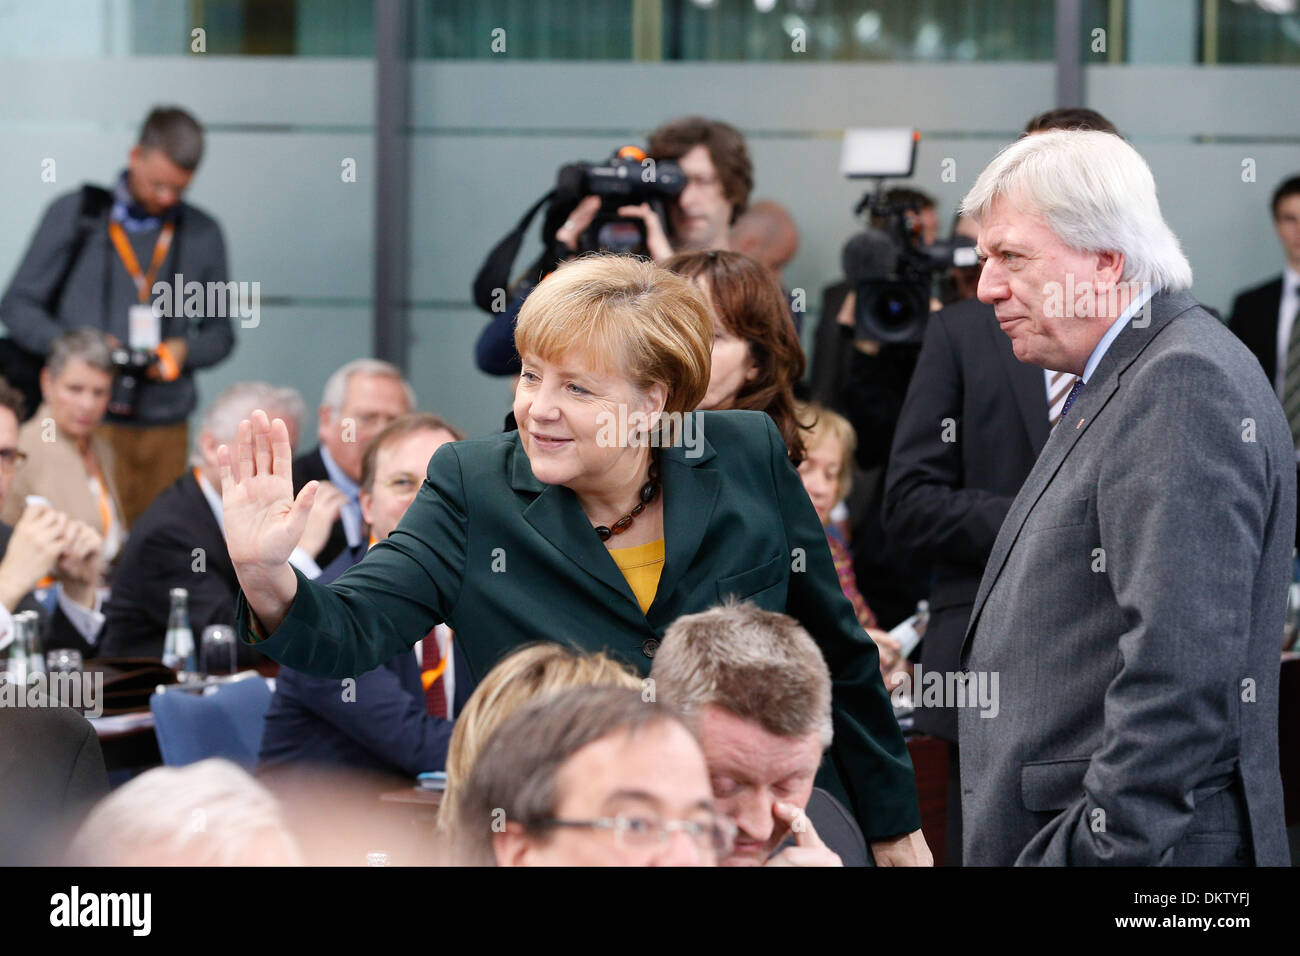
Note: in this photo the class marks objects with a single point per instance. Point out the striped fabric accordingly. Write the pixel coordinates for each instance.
(1058, 388)
(848, 581)
(1291, 383)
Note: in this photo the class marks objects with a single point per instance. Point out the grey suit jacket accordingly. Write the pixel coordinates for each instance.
(1132, 612)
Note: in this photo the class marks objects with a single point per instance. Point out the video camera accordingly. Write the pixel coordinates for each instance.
(886, 265)
(627, 178)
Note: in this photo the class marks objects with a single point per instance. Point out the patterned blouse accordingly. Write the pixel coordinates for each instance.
(848, 582)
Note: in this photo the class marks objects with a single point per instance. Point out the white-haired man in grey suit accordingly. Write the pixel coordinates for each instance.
(1132, 607)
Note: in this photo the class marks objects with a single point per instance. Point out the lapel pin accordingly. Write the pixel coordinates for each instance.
(1080, 425)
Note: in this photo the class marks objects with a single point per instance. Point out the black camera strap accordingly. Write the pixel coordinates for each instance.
(495, 271)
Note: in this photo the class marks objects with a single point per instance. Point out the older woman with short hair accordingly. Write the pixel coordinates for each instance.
(68, 464)
(610, 512)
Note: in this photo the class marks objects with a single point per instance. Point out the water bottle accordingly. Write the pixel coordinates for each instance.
(23, 662)
(178, 646)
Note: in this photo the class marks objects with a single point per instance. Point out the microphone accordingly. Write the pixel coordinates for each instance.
(870, 255)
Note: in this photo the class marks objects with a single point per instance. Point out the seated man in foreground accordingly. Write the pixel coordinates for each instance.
(594, 776)
(755, 688)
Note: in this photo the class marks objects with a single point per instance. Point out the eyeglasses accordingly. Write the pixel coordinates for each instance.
(12, 458)
(716, 836)
(403, 484)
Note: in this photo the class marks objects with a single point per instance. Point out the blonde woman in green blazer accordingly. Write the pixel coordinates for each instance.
(509, 540)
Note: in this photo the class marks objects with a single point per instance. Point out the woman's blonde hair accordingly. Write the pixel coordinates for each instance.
(825, 424)
(625, 316)
(525, 675)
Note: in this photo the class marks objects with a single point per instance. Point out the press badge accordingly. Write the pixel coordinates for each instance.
(145, 328)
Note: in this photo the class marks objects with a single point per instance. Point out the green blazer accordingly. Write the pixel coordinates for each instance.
(506, 560)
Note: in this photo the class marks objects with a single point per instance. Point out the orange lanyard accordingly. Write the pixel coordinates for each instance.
(143, 283)
(105, 505)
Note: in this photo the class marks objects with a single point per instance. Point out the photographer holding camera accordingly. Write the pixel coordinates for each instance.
(682, 194)
(93, 263)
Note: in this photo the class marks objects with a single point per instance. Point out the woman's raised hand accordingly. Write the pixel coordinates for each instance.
(263, 519)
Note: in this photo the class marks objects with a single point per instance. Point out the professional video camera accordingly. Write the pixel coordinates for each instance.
(889, 269)
(627, 178)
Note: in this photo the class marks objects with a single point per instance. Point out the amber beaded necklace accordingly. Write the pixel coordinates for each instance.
(648, 492)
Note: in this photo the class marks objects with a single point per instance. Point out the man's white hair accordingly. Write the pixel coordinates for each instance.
(209, 813)
(1095, 193)
(335, 392)
(238, 402)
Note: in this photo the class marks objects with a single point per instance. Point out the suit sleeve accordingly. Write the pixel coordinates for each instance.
(212, 337)
(1188, 600)
(927, 511)
(25, 308)
(494, 352)
(403, 587)
(88, 777)
(868, 750)
(384, 719)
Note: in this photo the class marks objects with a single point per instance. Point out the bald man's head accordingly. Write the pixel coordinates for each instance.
(766, 232)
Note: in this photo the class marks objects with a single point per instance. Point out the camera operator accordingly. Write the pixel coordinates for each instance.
(718, 177)
(93, 262)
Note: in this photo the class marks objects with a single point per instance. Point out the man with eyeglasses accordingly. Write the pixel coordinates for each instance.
(358, 401)
(596, 776)
(396, 720)
(46, 543)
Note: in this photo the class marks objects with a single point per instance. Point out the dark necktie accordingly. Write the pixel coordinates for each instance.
(1069, 399)
(432, 666)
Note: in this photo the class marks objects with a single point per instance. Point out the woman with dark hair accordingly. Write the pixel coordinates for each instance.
(757, 357)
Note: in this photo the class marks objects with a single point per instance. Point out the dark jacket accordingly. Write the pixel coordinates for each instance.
(56, 629)
(98, 291)
(51, 773)
(176, 543)
(506, 560)
(1254, 320)
(945, 500)
(381, 724)
(311, 467)
(1130, 611)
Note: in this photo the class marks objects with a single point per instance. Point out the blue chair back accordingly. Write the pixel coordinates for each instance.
(225, 722)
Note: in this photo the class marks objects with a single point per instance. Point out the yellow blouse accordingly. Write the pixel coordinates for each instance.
(641, 566)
